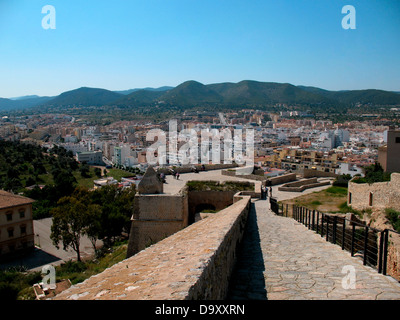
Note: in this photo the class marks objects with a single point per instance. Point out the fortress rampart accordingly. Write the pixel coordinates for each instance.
(193, 263)
(378, 195)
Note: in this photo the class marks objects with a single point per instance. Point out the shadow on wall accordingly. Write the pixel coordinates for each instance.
(247, 282)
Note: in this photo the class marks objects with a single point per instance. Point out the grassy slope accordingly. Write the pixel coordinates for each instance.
(328, 200)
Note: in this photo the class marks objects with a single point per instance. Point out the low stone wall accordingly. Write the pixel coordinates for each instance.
(194, 263)
(274, 181)
(300, 186)
(309, 173)
(189, 168)
(252, 194)
(244, 176)
(283, 179)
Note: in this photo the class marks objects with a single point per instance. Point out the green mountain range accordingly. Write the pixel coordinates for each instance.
(191, 93)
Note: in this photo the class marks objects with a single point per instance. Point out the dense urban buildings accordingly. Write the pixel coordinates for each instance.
(281, 140)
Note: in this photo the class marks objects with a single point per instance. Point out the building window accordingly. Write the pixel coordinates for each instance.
(371, 198)
(23, 229)
(397, 139)
(9, 215)
(349, 197)
(10, 232)
(22, 213)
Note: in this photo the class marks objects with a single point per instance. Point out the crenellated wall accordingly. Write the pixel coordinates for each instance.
(194, 263)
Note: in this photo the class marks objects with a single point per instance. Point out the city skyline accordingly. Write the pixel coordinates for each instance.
(122, 46)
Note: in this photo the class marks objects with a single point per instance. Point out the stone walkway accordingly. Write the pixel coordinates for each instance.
(283, 260)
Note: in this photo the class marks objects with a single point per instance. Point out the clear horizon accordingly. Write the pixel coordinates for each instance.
(120, 46)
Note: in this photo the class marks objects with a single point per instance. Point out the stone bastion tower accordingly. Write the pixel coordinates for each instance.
(156, 215)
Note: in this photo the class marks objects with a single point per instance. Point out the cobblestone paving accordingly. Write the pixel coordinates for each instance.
(283, 260)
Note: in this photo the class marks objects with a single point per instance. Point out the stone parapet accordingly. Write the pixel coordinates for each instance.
(194, 263)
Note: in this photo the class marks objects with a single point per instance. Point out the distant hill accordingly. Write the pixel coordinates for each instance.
(138, 98)
(368, 96)
(258, 93)
(246, 93)
(379, 97)
(25, 97)
(191, 93)
(126, 92)
(22, 103)
(85, 97)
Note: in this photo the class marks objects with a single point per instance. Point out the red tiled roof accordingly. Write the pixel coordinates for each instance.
(8, 199)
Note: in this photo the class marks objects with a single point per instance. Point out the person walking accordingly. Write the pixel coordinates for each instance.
(262, 192)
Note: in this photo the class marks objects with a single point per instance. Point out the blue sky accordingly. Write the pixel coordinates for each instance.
(123, 44)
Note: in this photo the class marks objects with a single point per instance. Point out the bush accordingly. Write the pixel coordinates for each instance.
(15, 284)
(72, 267)
(8, 291)
(373, 173)
(394, 218)
(342, 181)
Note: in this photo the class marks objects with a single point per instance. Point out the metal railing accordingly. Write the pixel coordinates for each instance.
(359, 239)
(274, 205)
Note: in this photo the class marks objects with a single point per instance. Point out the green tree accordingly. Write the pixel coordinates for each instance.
(375, 173)
(85, 170)
(70, 221)
(64, 182)
(116, 210)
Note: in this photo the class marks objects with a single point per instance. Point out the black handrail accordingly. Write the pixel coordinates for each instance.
(354, 236)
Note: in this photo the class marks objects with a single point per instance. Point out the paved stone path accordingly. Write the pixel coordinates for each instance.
(283, 260)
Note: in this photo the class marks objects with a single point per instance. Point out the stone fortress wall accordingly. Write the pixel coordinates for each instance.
(379, 195)
(155, 217)
(193, 263)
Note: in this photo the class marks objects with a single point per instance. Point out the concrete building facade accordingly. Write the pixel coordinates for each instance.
(90, 157)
